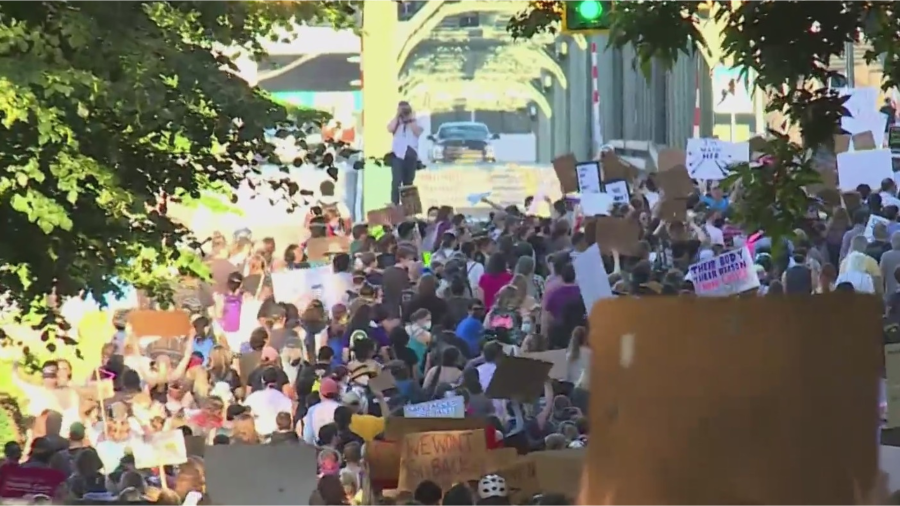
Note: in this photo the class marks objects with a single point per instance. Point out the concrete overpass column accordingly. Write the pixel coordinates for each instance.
(380, 71)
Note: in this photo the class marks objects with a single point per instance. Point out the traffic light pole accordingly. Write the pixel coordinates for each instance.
(596, 124)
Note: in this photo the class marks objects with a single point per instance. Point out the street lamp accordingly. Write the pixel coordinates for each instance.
(547, 82)
(562, 49)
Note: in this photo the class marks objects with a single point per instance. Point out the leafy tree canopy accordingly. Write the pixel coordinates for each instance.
(105, 107)
(787, 44)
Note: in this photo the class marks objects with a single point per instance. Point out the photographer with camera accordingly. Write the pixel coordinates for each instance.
(404, 149)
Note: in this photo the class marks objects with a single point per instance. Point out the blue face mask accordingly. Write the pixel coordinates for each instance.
(526, 327)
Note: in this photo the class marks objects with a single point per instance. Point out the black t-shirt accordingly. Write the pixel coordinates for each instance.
(346, 437)
(255, 380)
(405, 355)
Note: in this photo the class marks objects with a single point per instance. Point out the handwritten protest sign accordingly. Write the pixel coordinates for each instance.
(442, 457)
(160, 449)
(730, 273)
(398, 427)
(297, 285)
(709, 159)
(454, 407)
(17, 482)
(588, 174)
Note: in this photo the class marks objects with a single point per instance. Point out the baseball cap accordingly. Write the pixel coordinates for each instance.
(328, 387)
(76, 431)
(293, 343)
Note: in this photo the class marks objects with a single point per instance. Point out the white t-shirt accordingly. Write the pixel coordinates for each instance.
(265, 405)
(474, 271)
(404, 137)
(716, 236)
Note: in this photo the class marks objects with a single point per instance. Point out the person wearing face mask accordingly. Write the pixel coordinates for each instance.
(419, 330)
(447, 247)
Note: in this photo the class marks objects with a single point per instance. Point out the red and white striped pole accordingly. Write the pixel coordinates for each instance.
(595, 99)
(697, 105)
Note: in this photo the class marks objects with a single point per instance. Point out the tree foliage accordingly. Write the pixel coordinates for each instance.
(108, 108)
(788, 46)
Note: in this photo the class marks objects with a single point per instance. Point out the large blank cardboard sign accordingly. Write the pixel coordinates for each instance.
(746, 401)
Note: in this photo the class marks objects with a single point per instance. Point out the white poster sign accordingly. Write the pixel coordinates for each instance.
(730, 273)
(618, 190)
(870, 226)
(451, 407)
(864, 167)
(708, 159)
(588, 177)
(297, 285)
(591, 276)
(160, 449)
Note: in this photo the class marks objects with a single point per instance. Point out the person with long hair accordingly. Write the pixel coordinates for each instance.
(579, 359)
(495, 277)
(243, 430)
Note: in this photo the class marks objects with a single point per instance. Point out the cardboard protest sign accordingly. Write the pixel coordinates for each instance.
(559, 369)
(397, 427)
(672, 210)
(615, 168)
(749, 394)
(863, 141)
(390, 215)
(383, 458)
(892, 389)
(564, 167)
(19, 482)
(842, 143)
(517, 378)
(669, 158)
(147, 323)
(383, 382)
(675, 182)
(545, 472)
(323, 248)
(442, 457)
(282, 474)
(617, 234)
(160, 449)
(452, 407)
(730, 273)
(410, 201)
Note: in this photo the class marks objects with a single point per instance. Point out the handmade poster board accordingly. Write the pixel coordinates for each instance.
(323, 248)
(564, 167)
(442, 457)
(410, 201)
(759, 400)
(148, 322)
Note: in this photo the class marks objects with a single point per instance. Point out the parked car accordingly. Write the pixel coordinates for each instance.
(463, 141)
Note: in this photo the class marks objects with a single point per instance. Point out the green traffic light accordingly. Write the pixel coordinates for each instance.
(590, 10)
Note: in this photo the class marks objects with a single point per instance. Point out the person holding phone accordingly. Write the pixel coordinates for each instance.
(404, 149)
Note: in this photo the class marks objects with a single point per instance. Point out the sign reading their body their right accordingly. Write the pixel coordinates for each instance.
(759, 400)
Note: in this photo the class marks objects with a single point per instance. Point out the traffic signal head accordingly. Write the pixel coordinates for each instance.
(586, 16)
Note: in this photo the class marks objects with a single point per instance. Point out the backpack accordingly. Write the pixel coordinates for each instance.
(231, 312)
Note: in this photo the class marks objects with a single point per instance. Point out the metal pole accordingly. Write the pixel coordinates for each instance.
(849, 64)
(595, 99)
